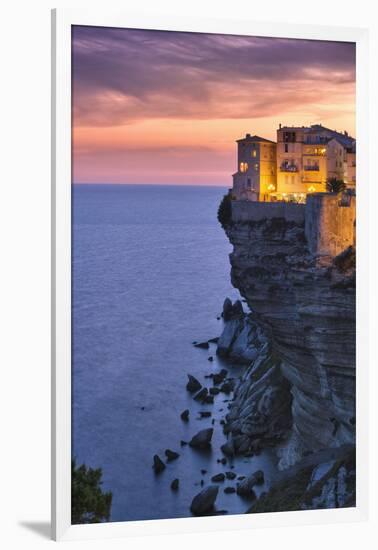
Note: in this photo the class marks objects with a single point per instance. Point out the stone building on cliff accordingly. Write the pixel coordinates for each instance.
(301, 162)
(256, 176)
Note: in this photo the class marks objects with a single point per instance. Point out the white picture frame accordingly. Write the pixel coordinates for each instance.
(62, 20)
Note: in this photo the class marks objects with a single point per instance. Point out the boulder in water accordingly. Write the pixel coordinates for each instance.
(171, 455)
(228, 448)
(203, 503)
(227, 309)
(193, 384)
(158, 464)
(175, 484)
(201, 395)
(185, 415)
(218, 478)
(202, 439)
(245, 488)
(202, 345)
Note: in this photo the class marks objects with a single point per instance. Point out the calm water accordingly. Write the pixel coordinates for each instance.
(150, 273)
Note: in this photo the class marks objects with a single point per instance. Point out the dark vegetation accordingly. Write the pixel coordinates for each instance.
(335, 185)
(224, 211)
(89, 504)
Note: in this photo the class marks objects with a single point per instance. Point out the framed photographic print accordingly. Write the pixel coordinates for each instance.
(209, 219)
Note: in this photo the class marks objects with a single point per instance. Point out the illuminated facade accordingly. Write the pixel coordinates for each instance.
(301, 162)
(308, 156)
(255, 178)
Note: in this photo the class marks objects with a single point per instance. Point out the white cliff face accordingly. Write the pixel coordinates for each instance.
(305, 307)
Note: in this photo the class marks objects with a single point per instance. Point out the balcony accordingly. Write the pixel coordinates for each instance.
(288, 168)
(311, 168)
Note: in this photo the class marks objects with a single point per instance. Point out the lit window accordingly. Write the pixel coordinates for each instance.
(254, 152)
(243, 166)
(256, 166)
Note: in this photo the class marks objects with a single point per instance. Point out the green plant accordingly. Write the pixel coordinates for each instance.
(335, 185)
(224, 211)
(89, 504)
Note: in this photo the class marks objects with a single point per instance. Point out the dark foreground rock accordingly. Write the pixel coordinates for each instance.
(245, 487)
(185, 415)
(228, 448)
(218, 377)
(202, 439)
(218, 478)
(202, 345)
(158, 464)
(193, 384)
(201, 395)
(203, 503)
(232, 311)
(171, 455)
(175, 484)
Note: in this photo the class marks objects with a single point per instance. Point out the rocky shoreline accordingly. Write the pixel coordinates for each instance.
(257, 415)
(296, 394)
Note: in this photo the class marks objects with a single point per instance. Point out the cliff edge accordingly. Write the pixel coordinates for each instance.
(297, 275)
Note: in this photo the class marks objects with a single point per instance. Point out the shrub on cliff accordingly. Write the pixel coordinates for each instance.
(335, 185)
(89, 504)
(224, 211)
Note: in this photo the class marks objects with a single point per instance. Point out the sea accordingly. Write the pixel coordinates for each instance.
(150, 273)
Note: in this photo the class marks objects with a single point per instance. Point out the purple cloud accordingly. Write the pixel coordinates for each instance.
(123, 75)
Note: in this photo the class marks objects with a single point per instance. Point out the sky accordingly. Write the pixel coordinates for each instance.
(160, 107)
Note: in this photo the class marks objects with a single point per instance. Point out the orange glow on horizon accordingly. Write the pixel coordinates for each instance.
(181, 126)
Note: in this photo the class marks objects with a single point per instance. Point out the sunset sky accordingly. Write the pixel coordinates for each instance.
(167, 107)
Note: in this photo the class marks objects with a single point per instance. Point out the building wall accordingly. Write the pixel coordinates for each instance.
(314, 175)
(351, 170)
(329, 227)
(256, 170)
(336, 160)
(290, 153)
(305, 161)
(244, 211)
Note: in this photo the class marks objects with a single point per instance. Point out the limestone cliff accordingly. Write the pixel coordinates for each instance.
(299, 390)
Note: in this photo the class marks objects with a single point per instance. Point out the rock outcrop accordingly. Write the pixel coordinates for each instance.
(330, 484)
(202, 439)
(204, 502)
(299, 340)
